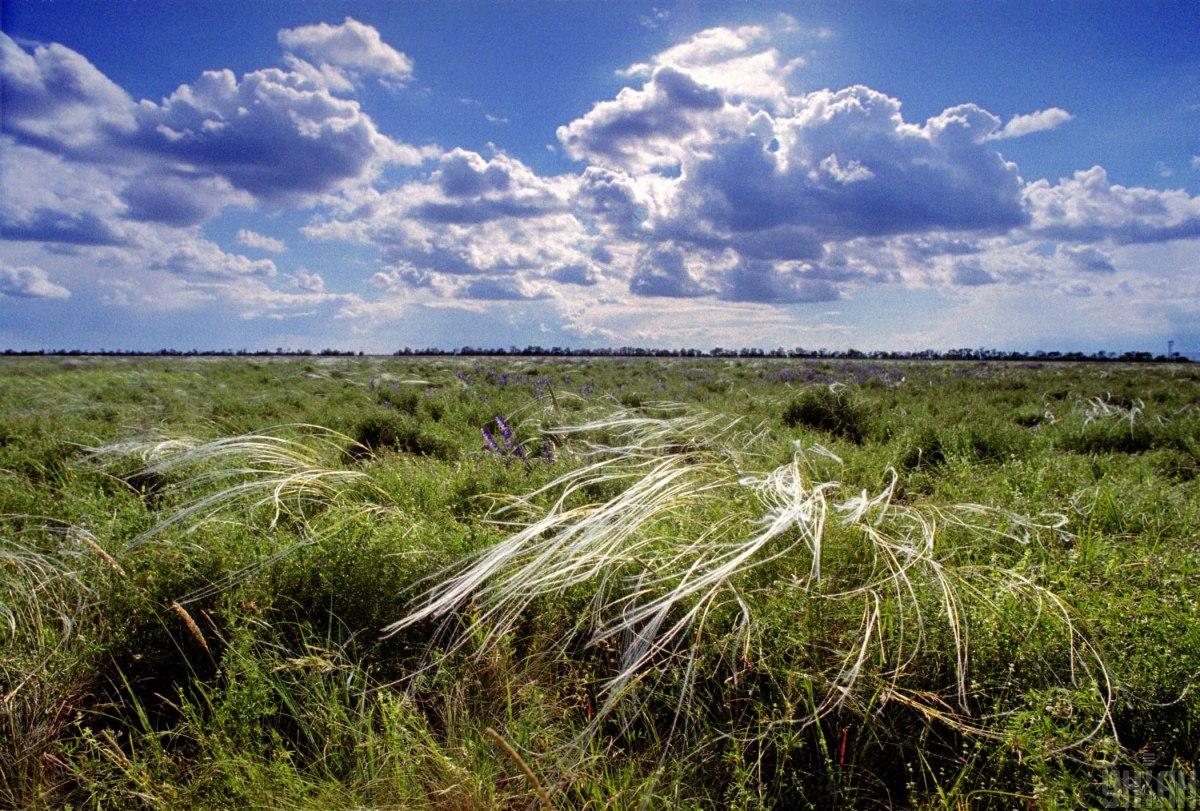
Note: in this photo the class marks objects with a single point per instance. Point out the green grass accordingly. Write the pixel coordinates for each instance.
(709, 584)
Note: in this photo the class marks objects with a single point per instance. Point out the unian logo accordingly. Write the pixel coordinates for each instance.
(1149, 785)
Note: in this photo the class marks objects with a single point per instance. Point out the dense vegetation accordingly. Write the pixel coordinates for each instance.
(686, 583)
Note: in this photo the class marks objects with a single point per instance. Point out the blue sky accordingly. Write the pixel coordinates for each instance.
(373, 175)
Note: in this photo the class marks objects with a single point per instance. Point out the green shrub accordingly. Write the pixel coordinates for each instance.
(919, 447)
(385, 430)
(1108, 436)
(833, 410)
(1029, 416)
(406, 399)
(992, 441)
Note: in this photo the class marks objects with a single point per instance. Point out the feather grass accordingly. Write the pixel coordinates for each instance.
(659, 577)
(250, 471)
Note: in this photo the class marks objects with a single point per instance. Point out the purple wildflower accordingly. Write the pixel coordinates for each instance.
(505, 430)
(490, 441)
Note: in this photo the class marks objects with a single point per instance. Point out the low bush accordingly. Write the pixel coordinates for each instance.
(919, 448)
(834, 410)
(1108, 436)
(383, 430)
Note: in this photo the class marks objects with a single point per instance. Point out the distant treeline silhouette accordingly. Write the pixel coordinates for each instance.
(636, 352)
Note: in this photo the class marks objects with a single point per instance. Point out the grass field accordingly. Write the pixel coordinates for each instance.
(453, 583)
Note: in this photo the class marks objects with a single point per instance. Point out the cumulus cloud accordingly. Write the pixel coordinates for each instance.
(252, 239)
(276, 135)
(970, 273)
(502, 288)
(51, 225)
(323, 75)
(122, 186)
(846, 164)
(708, 177)
(181, 197)
(1087, 207)
(56, 99)
(197, 257)
(471, 216)
(577, 274)
(305, 279)
(49, 199)
(29, 282)
(769, 283)
(352, 45)
(663, 272)
(1086, 258)
(655, 126)
(733, 60)
(273, 133)
(710, 180)
(766, 195)
(1042, 120)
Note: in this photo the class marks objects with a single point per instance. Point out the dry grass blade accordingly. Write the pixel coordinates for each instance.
(191, 625)
(515, 756)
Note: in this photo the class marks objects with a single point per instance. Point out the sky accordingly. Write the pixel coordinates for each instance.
(373, 175)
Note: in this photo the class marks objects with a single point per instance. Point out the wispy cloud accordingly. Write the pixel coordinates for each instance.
(1041, 121)
(252, 239)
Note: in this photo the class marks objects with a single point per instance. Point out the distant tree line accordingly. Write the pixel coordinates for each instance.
(188, 353)
(635, 352)
(799, 352)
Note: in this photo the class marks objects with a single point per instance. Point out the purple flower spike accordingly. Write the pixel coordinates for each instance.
(490, 441)
(505, 430)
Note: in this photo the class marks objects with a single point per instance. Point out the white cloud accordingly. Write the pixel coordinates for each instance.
(198, 257)
(502, 288)
(277, 135)
(729, 59)
(352, 45)
(46, 198)
(252, 239)
(1087, 207)
(273, 133)
(29, 282)
(307, 280)
(55, 98)
(1042, 120)
(324, 75)
(471, 216)
(656, 126)
(1087, 258)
